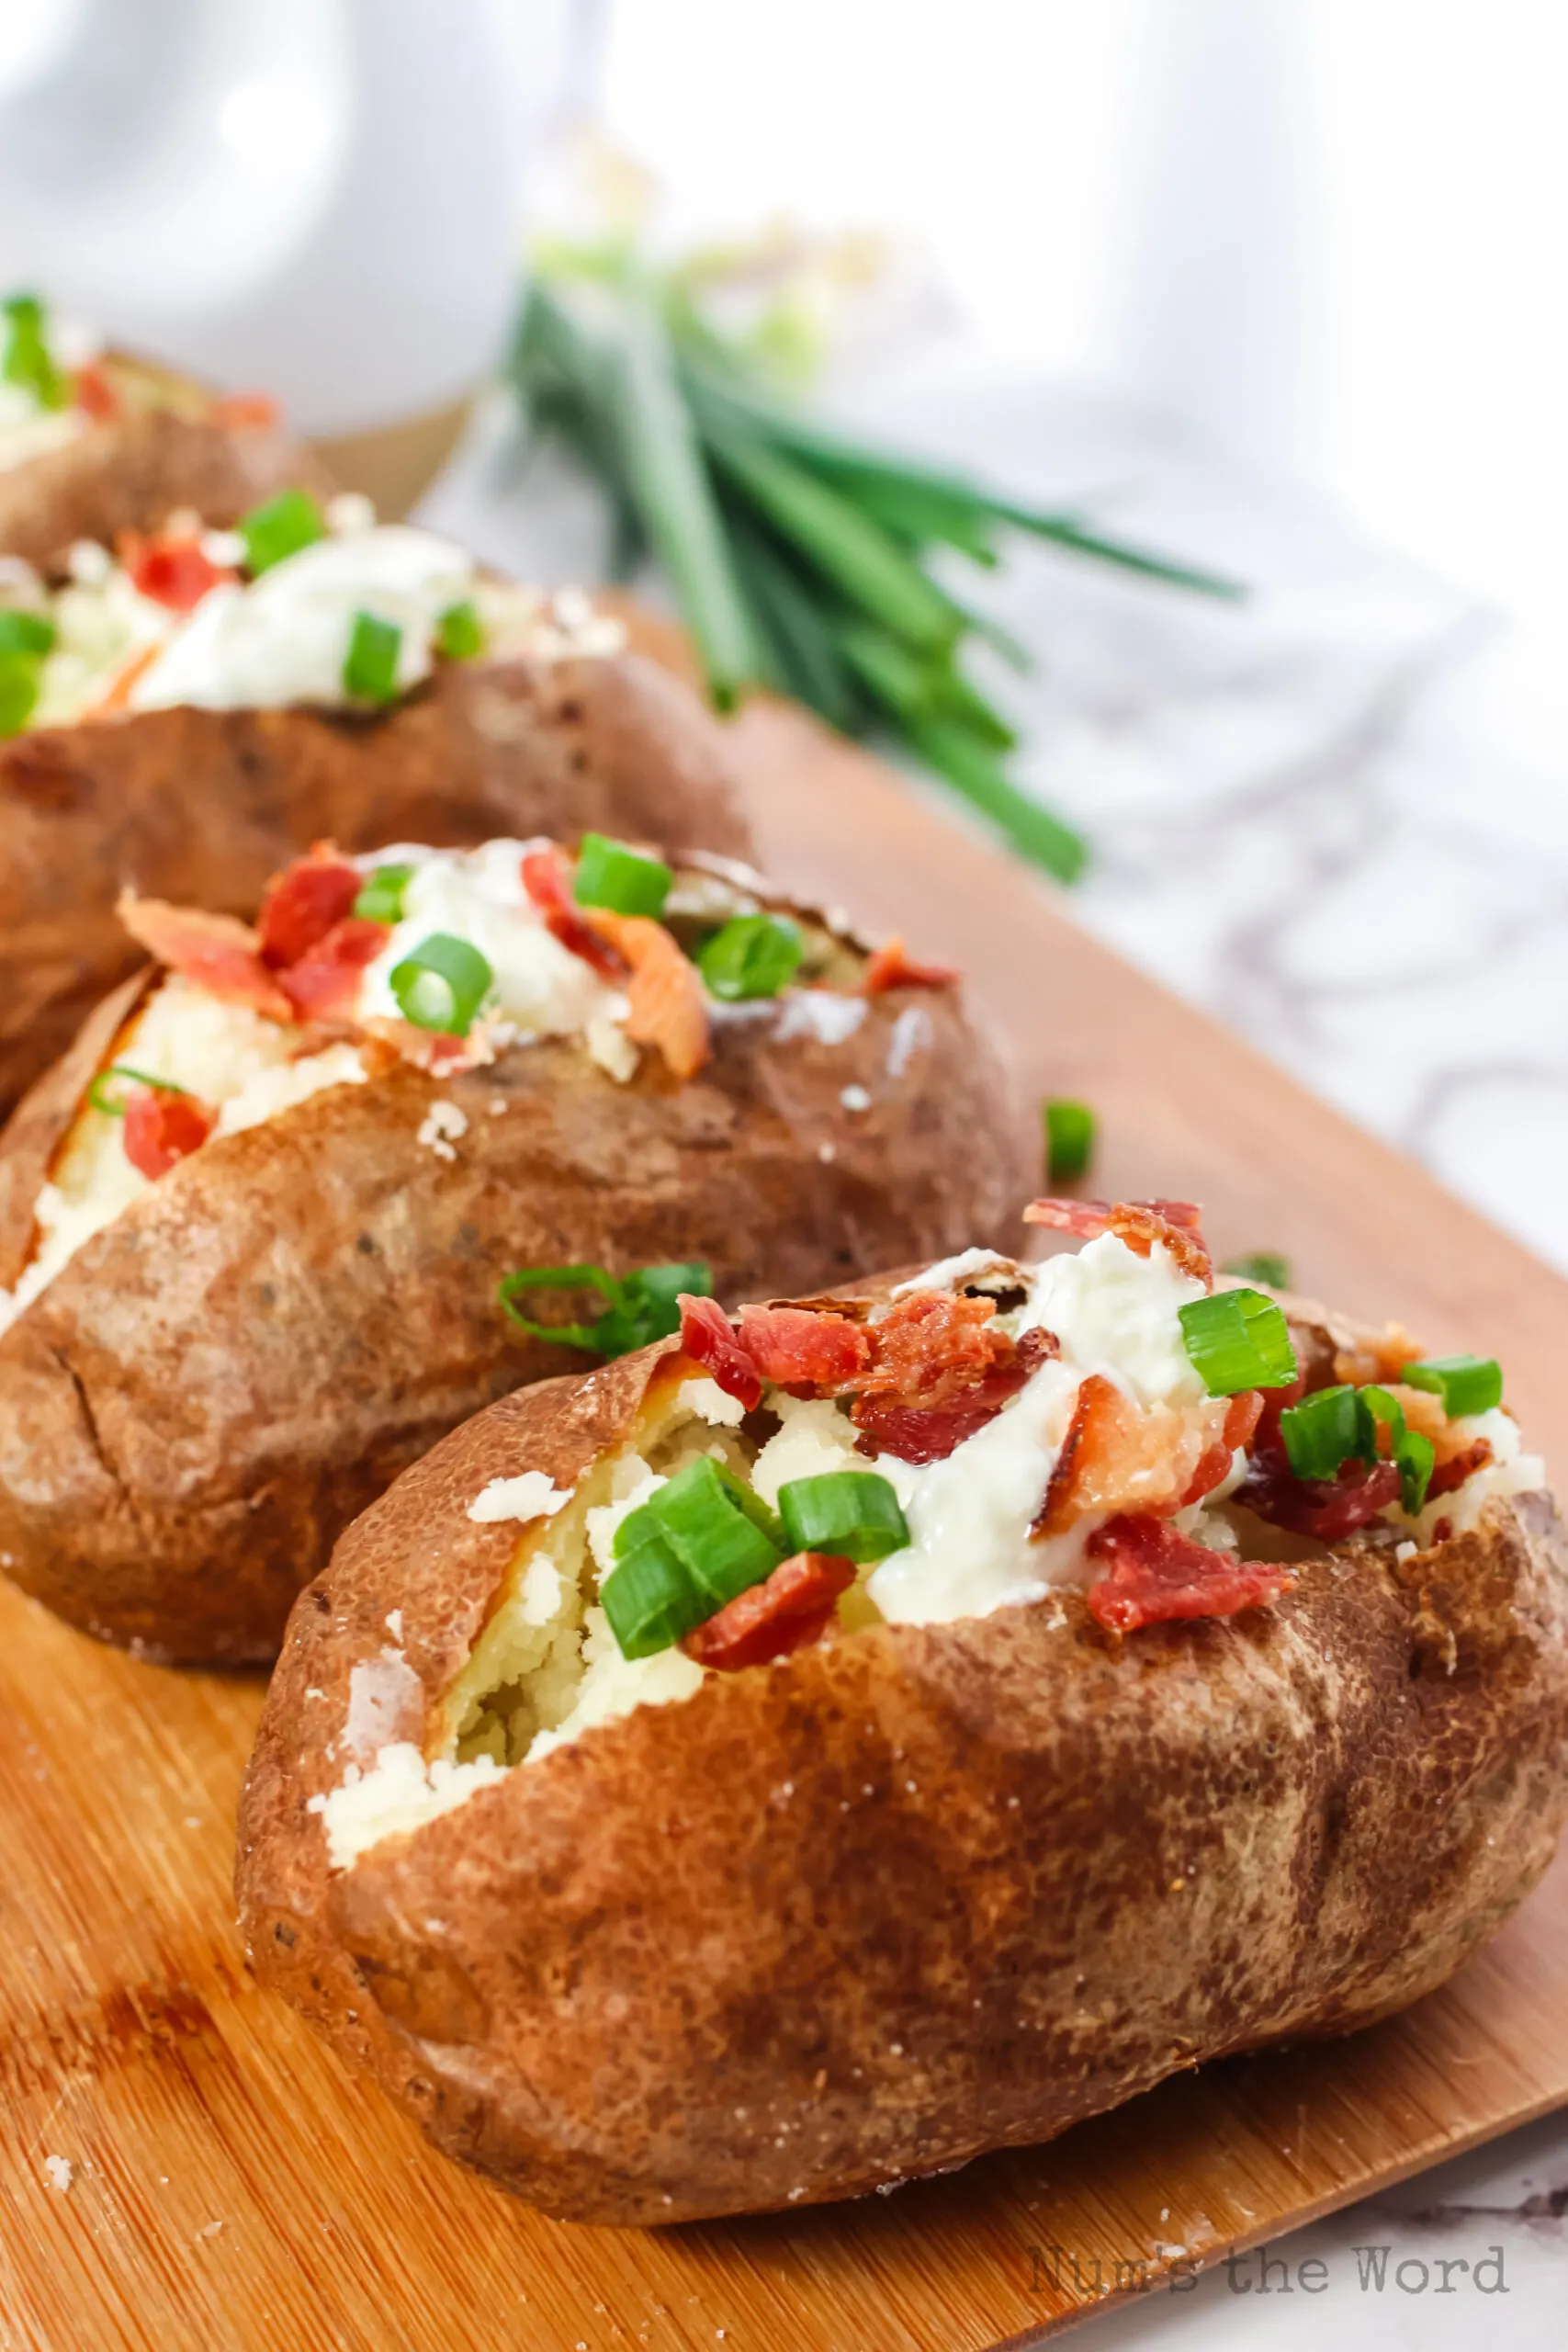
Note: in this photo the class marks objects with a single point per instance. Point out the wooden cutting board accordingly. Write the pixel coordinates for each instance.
(185, 2170)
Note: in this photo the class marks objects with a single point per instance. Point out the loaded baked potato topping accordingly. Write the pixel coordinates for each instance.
(57, 382)
(299, 603)
(983, 1436)
(446, 959)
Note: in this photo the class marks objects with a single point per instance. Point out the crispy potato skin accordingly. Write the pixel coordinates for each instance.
(902, 1898)
(132, 473)
(220, 1380)
(204, 806)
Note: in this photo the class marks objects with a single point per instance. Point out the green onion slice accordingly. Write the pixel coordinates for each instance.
(754, 956)
(720, 1545)
(1338, 1425)
(1261, 1266)
(641, 1305)
(854, 1513)
(1236, 1339)
(29, 633)
(112, 1105)
(610, 874)
(442, 985)
(648, 1595)
(1069, 1140)
(28, 360)
(1466, 1383)
(459, 633)
(280, 527)
(381, 893)
(18, 691)
(370, 665)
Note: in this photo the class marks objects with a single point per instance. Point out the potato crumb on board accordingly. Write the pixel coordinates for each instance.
(59, 2169)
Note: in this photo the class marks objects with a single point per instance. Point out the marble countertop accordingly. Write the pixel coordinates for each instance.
(1326, 814)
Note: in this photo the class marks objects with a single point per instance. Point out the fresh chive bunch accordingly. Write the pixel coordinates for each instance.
(798, 558)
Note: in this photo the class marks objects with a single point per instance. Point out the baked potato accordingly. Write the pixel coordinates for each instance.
(251, 1228)
(812, 1752)
(95, 443)
(196, 712)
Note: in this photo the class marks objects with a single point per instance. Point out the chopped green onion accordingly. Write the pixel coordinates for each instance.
(113, 1105)
(1236, 1339)
(280, 527)
(1261, 1266)
(370, 665)
(1466, 1383)
(853, 1514)
(610, 874)
(642, 1304)
(1334, 1426)
(1322, 1431)
(721, 1546)
(648, 1595)
(23, 632)
(442, 985)
(1069, 1140)
(28, 362)
(18, 691)
(381, 894)
(459, 633)
(754, 956)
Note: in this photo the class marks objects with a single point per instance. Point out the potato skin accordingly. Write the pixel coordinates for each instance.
(203, 806)
(131, 474)
(220, 1380)
(901, 1899)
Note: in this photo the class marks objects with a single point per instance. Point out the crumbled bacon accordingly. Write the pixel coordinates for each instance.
(238, 410)
(1242, 1418)
(794, 1347)
(932, 1346)
(1154, 1575)
(543, 878)
(215, 952)
(303, 903)
(706, 1336)
(323, 984)
(171, 571)
(1120, 1456)
(920, 1433)
(1325, 1509)
(789, 1612)
(889, 968)
(1458, 1467)
(95, 395)
(1140, 1224)
(668, 1007)
(162, 1128)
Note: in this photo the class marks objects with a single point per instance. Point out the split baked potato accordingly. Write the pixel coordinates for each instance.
(95, 443)
(189, 716)
(251, 1228)
(811, 1753)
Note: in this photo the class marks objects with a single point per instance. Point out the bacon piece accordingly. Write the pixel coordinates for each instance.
(543, 878)
(1154, 1575)
(1242, 1418)
(95, 395)
(919, 1433)
(303, 903)
(1326, 1509)
(162, 1128)
(213, 951)
(794, 1348)
(789, 1612)
(706, 1335)
(668, 1007)
(1140, 1224)
(237, 409)
(171, 571)
(929, 1347)
(1120, 1456)
(889, 968)
(1458, 1467)
(323, 984)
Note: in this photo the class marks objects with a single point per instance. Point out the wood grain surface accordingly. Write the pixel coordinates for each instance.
(230, 2188)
